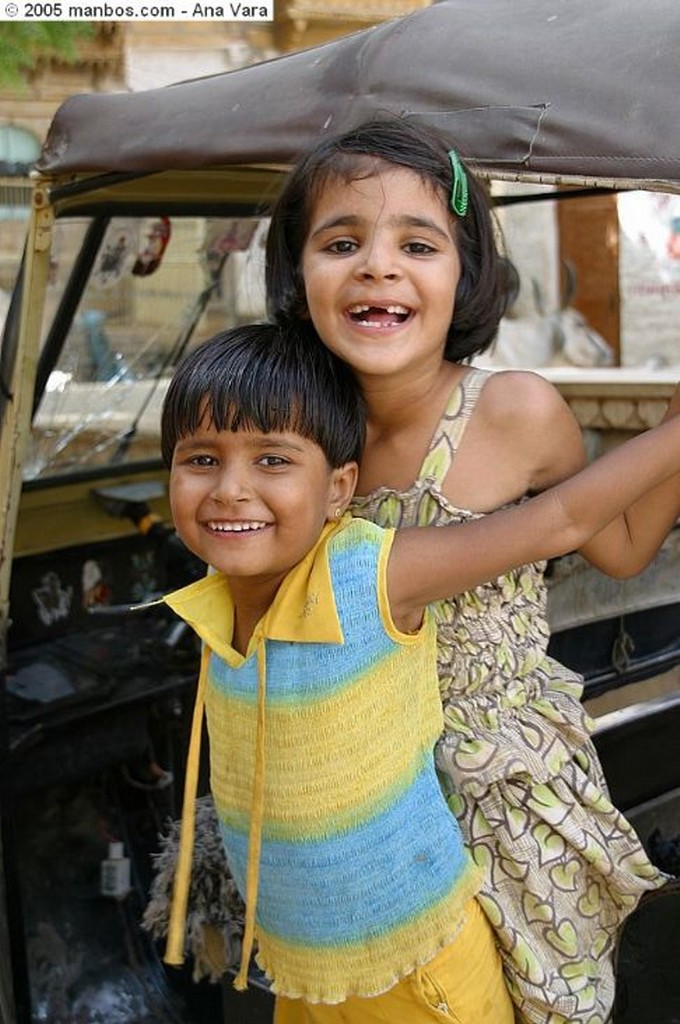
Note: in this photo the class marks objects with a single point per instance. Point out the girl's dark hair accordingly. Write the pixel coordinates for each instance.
(481, 293)
(268, 378)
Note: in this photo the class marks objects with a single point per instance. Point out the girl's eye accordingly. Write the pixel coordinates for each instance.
(419, 248)
(341, 246)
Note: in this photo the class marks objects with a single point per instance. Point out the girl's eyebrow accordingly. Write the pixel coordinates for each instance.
(404, 221)
(342, 220)
(409, 221)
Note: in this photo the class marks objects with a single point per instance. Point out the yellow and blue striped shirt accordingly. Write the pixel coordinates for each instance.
(322, 770)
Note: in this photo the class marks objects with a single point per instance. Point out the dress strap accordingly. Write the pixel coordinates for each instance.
(447, 437)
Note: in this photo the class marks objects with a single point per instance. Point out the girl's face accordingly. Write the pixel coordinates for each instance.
(381, 268)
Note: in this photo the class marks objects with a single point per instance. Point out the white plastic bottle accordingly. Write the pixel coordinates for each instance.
(115, 873)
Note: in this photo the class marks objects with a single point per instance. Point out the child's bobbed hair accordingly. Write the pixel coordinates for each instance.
(267, 378)
(481, 293)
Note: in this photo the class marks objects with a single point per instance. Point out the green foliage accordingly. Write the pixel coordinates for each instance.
(23, 44)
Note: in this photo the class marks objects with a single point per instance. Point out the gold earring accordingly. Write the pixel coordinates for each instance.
(338, 513)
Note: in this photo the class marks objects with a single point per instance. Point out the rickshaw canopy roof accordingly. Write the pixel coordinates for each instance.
(547, 90)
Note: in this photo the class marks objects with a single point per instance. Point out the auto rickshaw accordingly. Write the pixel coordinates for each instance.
(147, 223)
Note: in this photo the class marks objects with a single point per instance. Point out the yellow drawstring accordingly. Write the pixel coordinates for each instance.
(256, 815)
(174, 949)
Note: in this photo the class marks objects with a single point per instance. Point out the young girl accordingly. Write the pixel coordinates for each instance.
(385, 243)
(319, 682)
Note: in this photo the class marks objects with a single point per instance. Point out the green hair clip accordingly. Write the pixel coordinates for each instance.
(459, 190)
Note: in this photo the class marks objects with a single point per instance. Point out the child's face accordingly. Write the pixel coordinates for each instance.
(380, 267)
(253, 504)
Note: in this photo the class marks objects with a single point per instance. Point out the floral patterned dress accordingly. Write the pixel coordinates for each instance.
(563, 867)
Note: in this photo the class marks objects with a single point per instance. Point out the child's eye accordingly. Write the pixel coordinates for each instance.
(272, 461)
(202, 461)
(419, 248)
(342, 246)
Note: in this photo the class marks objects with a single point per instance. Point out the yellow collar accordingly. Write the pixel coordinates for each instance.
(303, 611)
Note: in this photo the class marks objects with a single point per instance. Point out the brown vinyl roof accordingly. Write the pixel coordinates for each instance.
(551, 88)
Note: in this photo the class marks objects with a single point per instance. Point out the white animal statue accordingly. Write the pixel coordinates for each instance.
(561, 338)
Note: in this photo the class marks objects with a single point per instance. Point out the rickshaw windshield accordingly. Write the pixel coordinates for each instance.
(156, 287)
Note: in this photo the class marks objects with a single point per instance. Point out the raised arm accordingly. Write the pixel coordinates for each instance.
(631, 540)
(429, 563)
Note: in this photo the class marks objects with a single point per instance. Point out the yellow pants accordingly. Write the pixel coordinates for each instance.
(464, 983)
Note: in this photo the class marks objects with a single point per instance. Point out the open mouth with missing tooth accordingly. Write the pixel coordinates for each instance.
(378, 316)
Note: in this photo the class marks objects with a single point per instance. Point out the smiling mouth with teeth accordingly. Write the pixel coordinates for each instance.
(243, 526)
(378, 316)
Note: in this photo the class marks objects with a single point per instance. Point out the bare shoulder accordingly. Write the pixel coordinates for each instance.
(524, 409)
(521, 395)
